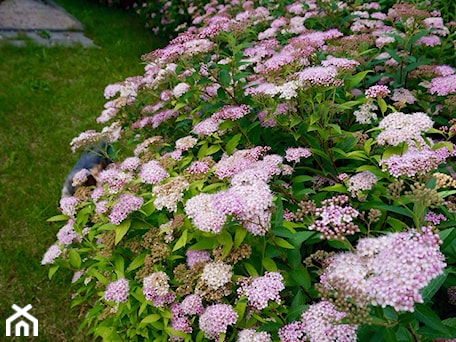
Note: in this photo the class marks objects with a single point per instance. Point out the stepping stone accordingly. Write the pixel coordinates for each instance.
(44, 22)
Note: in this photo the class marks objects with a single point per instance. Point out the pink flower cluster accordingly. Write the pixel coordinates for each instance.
(239, 161)
(117, 291)
(399, 127)
(126, 204)
(260, 290)
(68, 205)
(51, 254)
(320, 76)
(387, 270)
(156, 120)
(216, 319)
(250, 335)
(443, 85)
(115, 179)
(403, 95)
(296, 153)
(130, 164)
(206, 127)
(364, 180)
(66, 235)
(340, 63)
(203, 214)
(179, 321)
(231, 112)
(248, 199)
(152, 173)
(434, 218)
(416, 161)
(198, 167)
(156, 289)
(195, 257)
(320, 323)
(192, 305)
(377, 91)
(80, 177)
(334, 220)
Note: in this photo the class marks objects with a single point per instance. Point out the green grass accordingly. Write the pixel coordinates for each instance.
(47, 97)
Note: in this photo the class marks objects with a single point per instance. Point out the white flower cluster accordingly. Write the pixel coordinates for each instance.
(366, 113)
(399, 127)
(216, 274)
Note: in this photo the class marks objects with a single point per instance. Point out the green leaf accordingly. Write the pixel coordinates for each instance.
(337, 188)
(250, 269)
(58, 218)
(447, 193)
(433, 333)
(150, 319)
(394, 150)
(340, 244)
(240, 307)
(52, 271)
(347, 105)
(393, 53)
(425, 315)
(119, 266)
(441, 144)
(415, 37)
(398, 225)
(394, 209)
(283, 243)
(269, 264)
(232, 144)
(298, 238)
(224, 78)
(226, 241)
(302, 277)
(382, 104)
(278, 214)
(136, 263)
(448, 236)
(75, 258)
(182, 241)
(239, 236)
(204, 243)
(121, 230)
(302, 179)
(142, 308)
(389, 335)
(148, 208)
(353, 81)
(450, 322)
(212, 149)
(101, 278)
(434, 285)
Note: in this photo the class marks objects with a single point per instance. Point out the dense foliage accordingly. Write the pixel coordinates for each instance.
(284, 172)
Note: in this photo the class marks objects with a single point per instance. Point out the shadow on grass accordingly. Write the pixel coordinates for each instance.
(47, 97)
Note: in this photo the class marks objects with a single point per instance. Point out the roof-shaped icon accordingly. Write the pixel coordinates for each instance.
(22, 325)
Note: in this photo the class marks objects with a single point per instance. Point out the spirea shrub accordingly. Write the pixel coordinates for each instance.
(284, 172)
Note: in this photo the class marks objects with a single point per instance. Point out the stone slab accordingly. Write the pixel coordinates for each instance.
(42, 21)
(35, 15)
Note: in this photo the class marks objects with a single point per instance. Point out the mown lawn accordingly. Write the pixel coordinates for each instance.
(47, 97)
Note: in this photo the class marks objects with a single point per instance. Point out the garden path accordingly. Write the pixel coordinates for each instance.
(43, 21)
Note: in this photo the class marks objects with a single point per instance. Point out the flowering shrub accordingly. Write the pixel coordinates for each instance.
(168, 16)
(284, 173)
